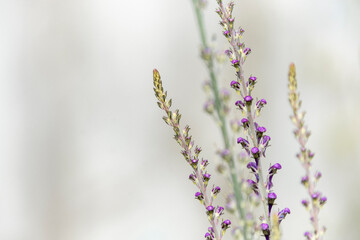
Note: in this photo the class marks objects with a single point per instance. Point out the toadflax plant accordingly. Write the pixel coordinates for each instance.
(257, 186)
(200, 177)
(305, 156)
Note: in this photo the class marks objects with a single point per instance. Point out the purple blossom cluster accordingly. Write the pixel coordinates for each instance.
(256, 141)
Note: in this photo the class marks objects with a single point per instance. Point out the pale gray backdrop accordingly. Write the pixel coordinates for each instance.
(84, 153)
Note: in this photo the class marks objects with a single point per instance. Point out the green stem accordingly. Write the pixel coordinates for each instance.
(224, 131)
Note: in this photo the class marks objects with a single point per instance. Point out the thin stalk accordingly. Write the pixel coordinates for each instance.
(224, 131)
(252, 134)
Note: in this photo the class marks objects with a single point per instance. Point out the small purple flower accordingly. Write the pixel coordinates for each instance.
(248, 99)
(226, 33)
(199, 196)
(260, 104)
(318, 175)
(261, 129)
(254, 150)
(204, 163)
(252, 166)
(282, 214)
(194, 162)
(304, 180)
(247, 51)
(259, 133)
(235, 85)
(266, 230)
(210, 208)
(323, 200)
(256, 154)
(235, 62)
(219, 211)
(193, 178)
(271, 199)
(315, 196)
(244, 143)
(308, 235)
(272, 171)
(265, 143)
(305, 203)
(245, 123)
(225, 224)
(215, 191)
(208, 236)
(240, 104)
(206, 178)
(252, 79)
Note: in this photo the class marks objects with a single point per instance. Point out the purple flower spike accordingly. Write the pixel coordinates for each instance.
(248, 99)
(226, 33)
(266, 230)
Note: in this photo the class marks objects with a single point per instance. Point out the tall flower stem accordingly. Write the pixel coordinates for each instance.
(199, 177)
(240, 57)
(305, 156)
(220, 114)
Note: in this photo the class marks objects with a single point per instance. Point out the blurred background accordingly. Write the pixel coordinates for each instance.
(84, 153)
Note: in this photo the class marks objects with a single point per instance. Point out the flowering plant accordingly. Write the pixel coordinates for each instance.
(247, 193)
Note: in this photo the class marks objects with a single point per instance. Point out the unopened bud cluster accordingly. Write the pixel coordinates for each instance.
(200, 177)
(315, 198)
